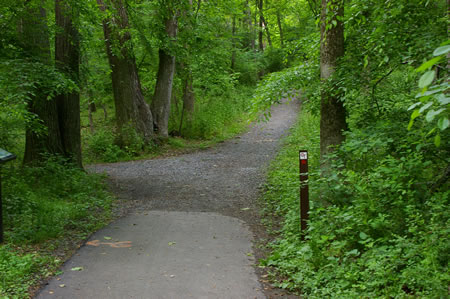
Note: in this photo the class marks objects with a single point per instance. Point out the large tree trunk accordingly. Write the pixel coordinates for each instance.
(164, 82)
(332, 111)
(67, 56)
(131, 108)
(46, 139)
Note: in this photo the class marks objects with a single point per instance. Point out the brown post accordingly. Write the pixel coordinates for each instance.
(304, 194)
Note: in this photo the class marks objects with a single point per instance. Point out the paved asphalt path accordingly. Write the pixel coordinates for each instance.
(191, 224)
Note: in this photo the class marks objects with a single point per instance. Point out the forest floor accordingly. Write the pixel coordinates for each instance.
(189, 227)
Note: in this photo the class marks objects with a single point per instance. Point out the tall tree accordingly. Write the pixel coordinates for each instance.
(261, 24)
(332, 111)
(280, 28)
(44, 138)
(130, 106)
(164, 81)
(67, 56)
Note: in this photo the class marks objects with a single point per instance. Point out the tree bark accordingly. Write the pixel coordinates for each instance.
(333, 115)
(261, 22)
(280, 28)
(67, 56)
(233, 42)
(164, 83)
(46, 139)
(131, 108)
(266, 27)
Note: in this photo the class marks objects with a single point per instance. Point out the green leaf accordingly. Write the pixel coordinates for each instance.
(77, 269)
(414, 105)
(443, 99)
(443, 123)
(441, 50)
(427, 64)
(363, 236)
(437, 140)
(427, 105)
(415, 114)
(432, 113)
(426, 79)
(411, 123)
(107, 238)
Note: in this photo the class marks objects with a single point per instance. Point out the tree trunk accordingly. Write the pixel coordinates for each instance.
(249, 42)
(266, 27)
(67, 56)
(46, 139)
(164, 82)
(332, 111)
(131, 108)
(91, 109)
(233, 42)
(280, 27)
(261, 22)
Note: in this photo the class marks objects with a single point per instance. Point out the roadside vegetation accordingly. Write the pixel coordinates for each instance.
(379, 221)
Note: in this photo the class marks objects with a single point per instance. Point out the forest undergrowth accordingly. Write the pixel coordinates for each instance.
(377, 228)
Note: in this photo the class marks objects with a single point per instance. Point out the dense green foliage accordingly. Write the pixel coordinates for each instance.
(383, 231)
(45, 207)
(378, 224)
(379, 221)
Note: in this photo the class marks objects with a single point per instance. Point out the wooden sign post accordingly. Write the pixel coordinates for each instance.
(304, 192)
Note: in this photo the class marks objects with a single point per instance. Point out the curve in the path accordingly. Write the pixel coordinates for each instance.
(191, 231)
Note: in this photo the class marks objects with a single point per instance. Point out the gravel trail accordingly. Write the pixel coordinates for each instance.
(190, 228)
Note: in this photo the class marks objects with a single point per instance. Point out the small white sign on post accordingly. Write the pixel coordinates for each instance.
(303, 155)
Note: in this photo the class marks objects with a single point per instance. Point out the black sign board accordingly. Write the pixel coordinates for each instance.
(4, 157)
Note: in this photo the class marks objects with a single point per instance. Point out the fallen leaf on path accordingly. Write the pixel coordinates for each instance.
(172, 276)
(107, 238)
(77, 269)
(245, 209)
(172, 243)
(249, 254)
(51, 292)
(62, 285)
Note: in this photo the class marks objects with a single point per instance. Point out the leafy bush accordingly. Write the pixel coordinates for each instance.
(48, 201)
(378, 222)
(215, 116)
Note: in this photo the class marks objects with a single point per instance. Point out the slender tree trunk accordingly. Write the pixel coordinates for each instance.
(46, 139)
(233, 42)
(164, 83)
(91, 109)
(333, 116)
(247, 20)
(67, 56)
(266, 27)
(280, 28)
(261, 22)
(131, 108)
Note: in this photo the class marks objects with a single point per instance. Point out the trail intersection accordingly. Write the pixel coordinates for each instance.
(192, 228)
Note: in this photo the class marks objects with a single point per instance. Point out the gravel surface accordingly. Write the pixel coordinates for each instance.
(225, 179)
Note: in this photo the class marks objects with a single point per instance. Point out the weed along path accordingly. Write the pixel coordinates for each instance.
(191, 225)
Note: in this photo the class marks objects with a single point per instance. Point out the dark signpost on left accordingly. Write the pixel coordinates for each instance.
(4, 157)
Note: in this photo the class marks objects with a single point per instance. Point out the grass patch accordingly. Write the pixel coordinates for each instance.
(216, 118)
(48, 210)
